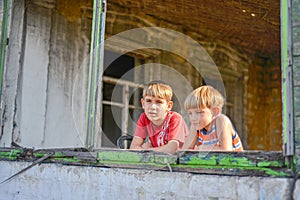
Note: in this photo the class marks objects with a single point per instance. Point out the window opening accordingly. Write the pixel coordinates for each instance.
(121, 99)
(251, 71)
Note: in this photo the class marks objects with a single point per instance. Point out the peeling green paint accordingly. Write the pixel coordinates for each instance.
(206, 160)
(272, 164)
(59, 157)
(228, 160)
(124, 156)
(232, 169)
(227, 163)
(11, 155)
(71, 160)
(274, 173)
(136, 157)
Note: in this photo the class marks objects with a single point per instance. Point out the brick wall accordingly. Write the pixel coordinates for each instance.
(264, 121)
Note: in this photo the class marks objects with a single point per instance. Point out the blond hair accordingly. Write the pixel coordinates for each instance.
(158, 89)
(204, 96)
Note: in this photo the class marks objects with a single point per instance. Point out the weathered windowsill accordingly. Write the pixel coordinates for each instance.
(248, 163)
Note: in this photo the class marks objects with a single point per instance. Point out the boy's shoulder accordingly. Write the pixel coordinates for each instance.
(222, 118)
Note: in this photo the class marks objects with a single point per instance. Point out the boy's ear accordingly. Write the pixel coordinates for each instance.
(142, 102)
(216, 110)
(169, 105)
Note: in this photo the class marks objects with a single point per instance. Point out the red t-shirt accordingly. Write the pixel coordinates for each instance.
(173, 128)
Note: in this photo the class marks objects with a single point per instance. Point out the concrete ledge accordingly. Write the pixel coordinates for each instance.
(58, 181)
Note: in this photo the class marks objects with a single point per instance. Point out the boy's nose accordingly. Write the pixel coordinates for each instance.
(153, 105)
(194, 117)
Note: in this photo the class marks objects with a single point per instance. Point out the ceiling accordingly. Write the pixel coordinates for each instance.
(250, 26)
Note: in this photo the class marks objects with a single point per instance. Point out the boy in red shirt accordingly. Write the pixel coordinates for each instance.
(166, 129)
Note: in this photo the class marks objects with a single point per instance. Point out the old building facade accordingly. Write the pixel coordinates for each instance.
(72, 73)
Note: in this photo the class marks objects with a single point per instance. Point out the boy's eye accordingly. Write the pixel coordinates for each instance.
(148, 100)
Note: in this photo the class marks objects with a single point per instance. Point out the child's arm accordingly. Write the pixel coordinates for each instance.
(225, 132)
(191, 139)
(171, 147)
(137, 143)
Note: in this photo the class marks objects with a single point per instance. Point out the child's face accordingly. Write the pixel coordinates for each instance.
(156, 109)
(200, 118)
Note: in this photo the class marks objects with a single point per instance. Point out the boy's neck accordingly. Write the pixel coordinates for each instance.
(209, 126)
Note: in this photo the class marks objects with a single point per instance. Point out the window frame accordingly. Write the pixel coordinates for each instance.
(287, 85)
(287, 136)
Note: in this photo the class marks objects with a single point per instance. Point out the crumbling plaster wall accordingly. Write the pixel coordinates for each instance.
(46, 75)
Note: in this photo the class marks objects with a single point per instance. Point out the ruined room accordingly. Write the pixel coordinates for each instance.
(243, 39)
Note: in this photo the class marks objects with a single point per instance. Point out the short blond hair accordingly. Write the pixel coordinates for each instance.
(204, 96)
(158, 89)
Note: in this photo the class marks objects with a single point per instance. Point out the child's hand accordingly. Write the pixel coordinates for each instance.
(147, 145)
